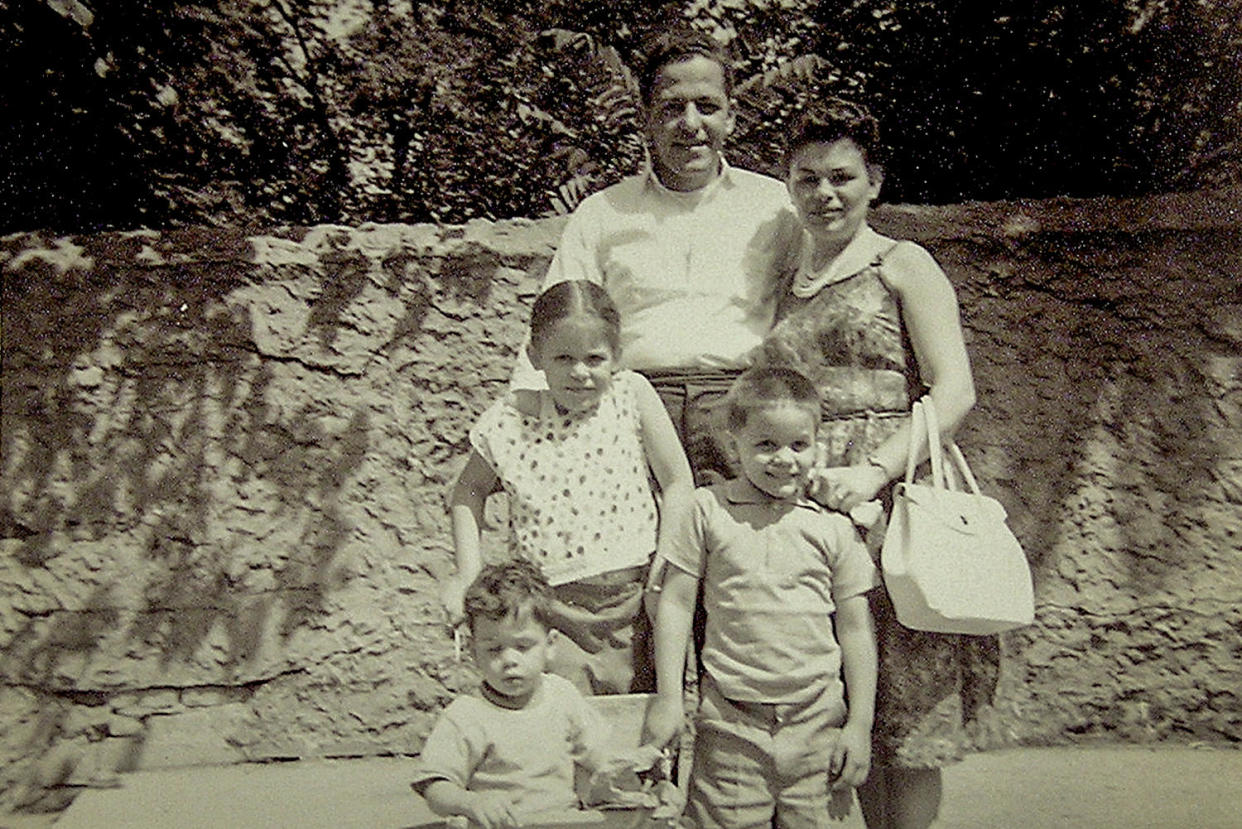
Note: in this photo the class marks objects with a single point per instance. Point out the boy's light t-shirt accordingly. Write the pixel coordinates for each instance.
(772, 576)
(529, 753)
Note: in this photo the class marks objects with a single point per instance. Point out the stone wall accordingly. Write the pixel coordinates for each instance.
(224, 459)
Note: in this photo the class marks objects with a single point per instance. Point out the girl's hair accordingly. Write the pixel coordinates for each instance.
(831, 119)
(765, 386)
(577, 297)
(504, 589)
(675, 45)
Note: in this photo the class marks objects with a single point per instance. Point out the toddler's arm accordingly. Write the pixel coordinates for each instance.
(672, 636)
(489, 810)
(851, 760)
(466, 511)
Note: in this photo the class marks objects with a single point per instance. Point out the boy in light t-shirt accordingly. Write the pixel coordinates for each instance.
(509, 753)
(784, 589)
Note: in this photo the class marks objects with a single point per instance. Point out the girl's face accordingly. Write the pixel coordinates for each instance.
(577, 358)
(832, 189)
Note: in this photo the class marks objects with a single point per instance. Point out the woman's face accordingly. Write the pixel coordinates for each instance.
(832, 188)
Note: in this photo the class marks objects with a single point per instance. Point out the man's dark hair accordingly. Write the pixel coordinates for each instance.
(506, 588)
(674, 46)
(829, 120)
(762, 387)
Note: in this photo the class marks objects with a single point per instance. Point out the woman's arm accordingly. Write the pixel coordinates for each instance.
(931, 316)
(466, 504)
(669, 465)
(933, 320)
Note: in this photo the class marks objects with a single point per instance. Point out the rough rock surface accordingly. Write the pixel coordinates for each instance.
(224, 459)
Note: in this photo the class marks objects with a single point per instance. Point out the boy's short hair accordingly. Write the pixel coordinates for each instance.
(503, 589)
(764, 386)
(828, 120)
(675, 45)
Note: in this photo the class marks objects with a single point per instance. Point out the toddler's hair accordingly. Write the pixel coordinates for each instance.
(831, 119)
(675, 45)
(503, 589)
(577, 297)
(762, 387)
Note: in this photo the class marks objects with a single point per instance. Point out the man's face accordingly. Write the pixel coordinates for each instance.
(688, 119)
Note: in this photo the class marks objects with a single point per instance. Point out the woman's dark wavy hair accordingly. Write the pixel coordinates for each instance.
(674, 46)
(504, 589)
(577, 297)
(831, 119)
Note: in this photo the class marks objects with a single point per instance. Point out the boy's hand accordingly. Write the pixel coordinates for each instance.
(851, 759)
(663, 721)
(490, 810)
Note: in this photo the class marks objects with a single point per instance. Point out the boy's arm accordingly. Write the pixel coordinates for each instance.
(672, 637)
(443, 773)
(489, 810)
(466, 511)
(851, 760)
(669, 465)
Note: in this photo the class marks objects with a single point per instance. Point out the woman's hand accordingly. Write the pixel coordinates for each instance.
(842, 488)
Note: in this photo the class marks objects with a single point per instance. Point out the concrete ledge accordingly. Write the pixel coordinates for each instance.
(1048, 788)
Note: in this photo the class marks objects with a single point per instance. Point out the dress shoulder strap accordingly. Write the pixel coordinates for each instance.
(878, 261)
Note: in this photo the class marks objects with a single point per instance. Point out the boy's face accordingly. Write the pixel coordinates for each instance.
(687, 120)
(776, 449)
(511, 653)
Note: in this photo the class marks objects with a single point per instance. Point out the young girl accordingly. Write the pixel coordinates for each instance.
(574, 460)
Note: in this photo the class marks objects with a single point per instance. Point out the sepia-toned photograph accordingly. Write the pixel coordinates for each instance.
(756, 414)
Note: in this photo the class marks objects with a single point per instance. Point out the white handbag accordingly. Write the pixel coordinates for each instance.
(950, 562)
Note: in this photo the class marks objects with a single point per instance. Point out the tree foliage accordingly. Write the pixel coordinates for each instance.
(123, 113)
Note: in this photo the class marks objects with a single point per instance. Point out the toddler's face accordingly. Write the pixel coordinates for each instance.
(776, 449)
(577, 358)
(511, 653)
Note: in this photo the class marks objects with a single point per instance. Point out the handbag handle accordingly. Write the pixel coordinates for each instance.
(923, 422)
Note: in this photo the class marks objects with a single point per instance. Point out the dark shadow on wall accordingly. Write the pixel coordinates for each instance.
(1095, 353)
(1109, 372)
(142, 424)
(183, 443)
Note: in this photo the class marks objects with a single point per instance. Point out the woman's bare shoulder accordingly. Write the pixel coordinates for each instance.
(909, 265)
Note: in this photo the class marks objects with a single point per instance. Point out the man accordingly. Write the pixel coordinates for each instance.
(690, 248)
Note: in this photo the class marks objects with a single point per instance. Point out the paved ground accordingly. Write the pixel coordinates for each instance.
(1052, 788)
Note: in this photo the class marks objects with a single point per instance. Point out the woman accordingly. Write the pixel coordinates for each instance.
(875, 323)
